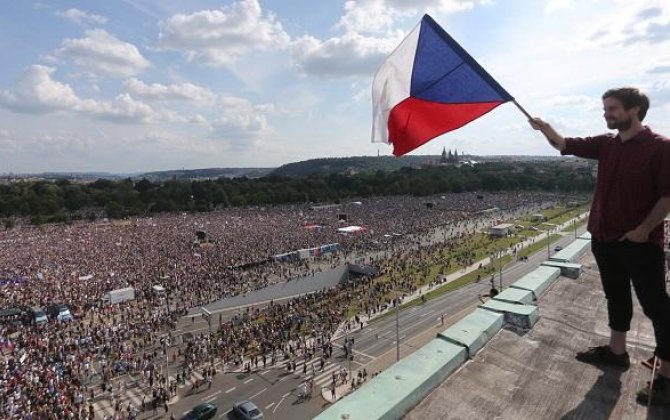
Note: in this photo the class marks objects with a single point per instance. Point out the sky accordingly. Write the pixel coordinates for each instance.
(129, 86)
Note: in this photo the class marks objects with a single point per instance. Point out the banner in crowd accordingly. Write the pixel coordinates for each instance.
(302, 254)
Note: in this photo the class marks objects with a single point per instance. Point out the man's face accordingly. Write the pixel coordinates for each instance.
(616, 116)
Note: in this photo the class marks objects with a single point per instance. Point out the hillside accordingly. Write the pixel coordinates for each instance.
(371, 164)
(206, 173)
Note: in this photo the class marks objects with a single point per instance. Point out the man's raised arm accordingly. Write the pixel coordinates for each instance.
(556, 140)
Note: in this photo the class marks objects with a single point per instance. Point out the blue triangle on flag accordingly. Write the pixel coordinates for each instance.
(444, 72)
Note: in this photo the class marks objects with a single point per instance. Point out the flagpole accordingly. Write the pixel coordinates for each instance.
(522, 110)
(530, 118)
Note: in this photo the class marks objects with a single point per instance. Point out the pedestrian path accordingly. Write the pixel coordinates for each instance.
(105, 405)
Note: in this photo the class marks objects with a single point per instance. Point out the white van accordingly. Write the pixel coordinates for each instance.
(38, 315)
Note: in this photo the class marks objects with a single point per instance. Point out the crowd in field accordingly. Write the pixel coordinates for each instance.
(49, 370)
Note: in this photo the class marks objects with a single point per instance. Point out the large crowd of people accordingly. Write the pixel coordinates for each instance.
(56, 369)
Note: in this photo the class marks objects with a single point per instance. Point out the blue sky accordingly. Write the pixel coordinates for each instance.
(132, 85)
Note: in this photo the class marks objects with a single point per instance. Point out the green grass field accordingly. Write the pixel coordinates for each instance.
(447, 260)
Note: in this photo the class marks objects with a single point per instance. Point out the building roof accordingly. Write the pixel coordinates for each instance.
(534, 375)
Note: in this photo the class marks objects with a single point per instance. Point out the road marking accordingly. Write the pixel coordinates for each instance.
(280, 401)
(248, 380)
(362, 354)
(211, 397)
(231, 390)
(258, 393)
(269, 405)
(265, 373)
(286, 395)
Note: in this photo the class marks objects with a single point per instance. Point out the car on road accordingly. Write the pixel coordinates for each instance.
(201, 412)
(59, 312)
(247, 410)
(37, 315)
(558, 248)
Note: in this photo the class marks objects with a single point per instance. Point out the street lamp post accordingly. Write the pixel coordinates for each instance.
(165, 341)
(500, 267)
(548, 243)
(397, 330)
(350, 356)
(208, 315)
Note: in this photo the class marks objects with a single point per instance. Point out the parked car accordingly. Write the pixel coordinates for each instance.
(14, 316)
(201, 412)
(37, 315)
(247, 410)
(59, 312)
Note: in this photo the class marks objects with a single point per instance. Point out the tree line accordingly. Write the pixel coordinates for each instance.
(63, 200)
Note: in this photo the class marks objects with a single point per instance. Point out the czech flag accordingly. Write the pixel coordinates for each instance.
(429, 86)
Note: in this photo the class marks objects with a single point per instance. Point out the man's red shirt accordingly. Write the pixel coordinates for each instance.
(632, 176)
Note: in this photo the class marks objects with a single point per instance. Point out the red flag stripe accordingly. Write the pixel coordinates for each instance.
(414, 122)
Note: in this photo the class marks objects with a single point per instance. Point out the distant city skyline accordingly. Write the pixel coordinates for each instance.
(137, 86)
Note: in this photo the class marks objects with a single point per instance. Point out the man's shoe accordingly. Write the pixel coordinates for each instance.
(660, 392)
(602, 356)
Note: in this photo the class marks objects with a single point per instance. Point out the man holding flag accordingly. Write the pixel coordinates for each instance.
(429, 85)
(631, 199)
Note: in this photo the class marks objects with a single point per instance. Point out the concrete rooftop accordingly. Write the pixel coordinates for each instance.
(534, 375)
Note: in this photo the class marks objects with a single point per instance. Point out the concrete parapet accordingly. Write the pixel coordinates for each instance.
(523, 316)
(572, 252)
(393, 392)
(517, 296)
(571, 270)
(475, 330)
(538, 280)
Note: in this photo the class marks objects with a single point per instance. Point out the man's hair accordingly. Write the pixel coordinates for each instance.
(630, 97)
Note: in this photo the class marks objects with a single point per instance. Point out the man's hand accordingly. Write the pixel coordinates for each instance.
(637, 235)
(554, 138)
(539, 124)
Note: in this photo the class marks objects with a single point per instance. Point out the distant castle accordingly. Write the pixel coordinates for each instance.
(449, 158)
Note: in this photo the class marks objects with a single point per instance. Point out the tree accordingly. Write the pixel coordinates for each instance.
(114, 210)
(143, 185)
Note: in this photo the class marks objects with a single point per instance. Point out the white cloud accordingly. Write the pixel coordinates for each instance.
(36, 92)
(556, 5)
(101, 53)
(222, 37)
(588, 102)
(177, 91)
(350, 55)
(368, 36)
(375, 16)
(448, 6)
(635, 24)
(198, 119)
(80, 17)
(364, 17)
(240, 122)
(126, 109)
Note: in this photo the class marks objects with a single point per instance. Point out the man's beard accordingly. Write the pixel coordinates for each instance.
(621, 125)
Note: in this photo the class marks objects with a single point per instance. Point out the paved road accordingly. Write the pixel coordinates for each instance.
(275, 390)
